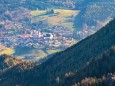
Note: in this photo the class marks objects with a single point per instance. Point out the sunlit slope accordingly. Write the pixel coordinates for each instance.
(5, 50)
(61, 17)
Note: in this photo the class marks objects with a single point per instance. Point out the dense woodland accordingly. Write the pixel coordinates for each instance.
(90, 59)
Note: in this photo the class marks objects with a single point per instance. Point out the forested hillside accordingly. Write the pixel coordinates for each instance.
(94, 13)
(65, 67)
(34, 4)
(7, 62)
(30, 4)
(97, 68)
(83, 3)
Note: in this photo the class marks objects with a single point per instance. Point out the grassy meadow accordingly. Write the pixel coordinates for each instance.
(61, 17)
(22, 52)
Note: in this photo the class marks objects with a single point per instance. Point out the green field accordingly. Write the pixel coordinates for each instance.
(22, 52)
(61, 17)
(53, 51)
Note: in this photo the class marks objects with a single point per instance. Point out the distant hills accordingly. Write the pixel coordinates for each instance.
(90, 59)
(94, 13)
(34, 4)
(30, 4)
(83, 3)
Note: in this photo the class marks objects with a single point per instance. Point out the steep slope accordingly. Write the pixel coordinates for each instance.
(101, 65)
(13, 66)
(108, 80)
(68, 62)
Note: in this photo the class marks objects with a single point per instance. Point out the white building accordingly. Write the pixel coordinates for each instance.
(48, 36)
